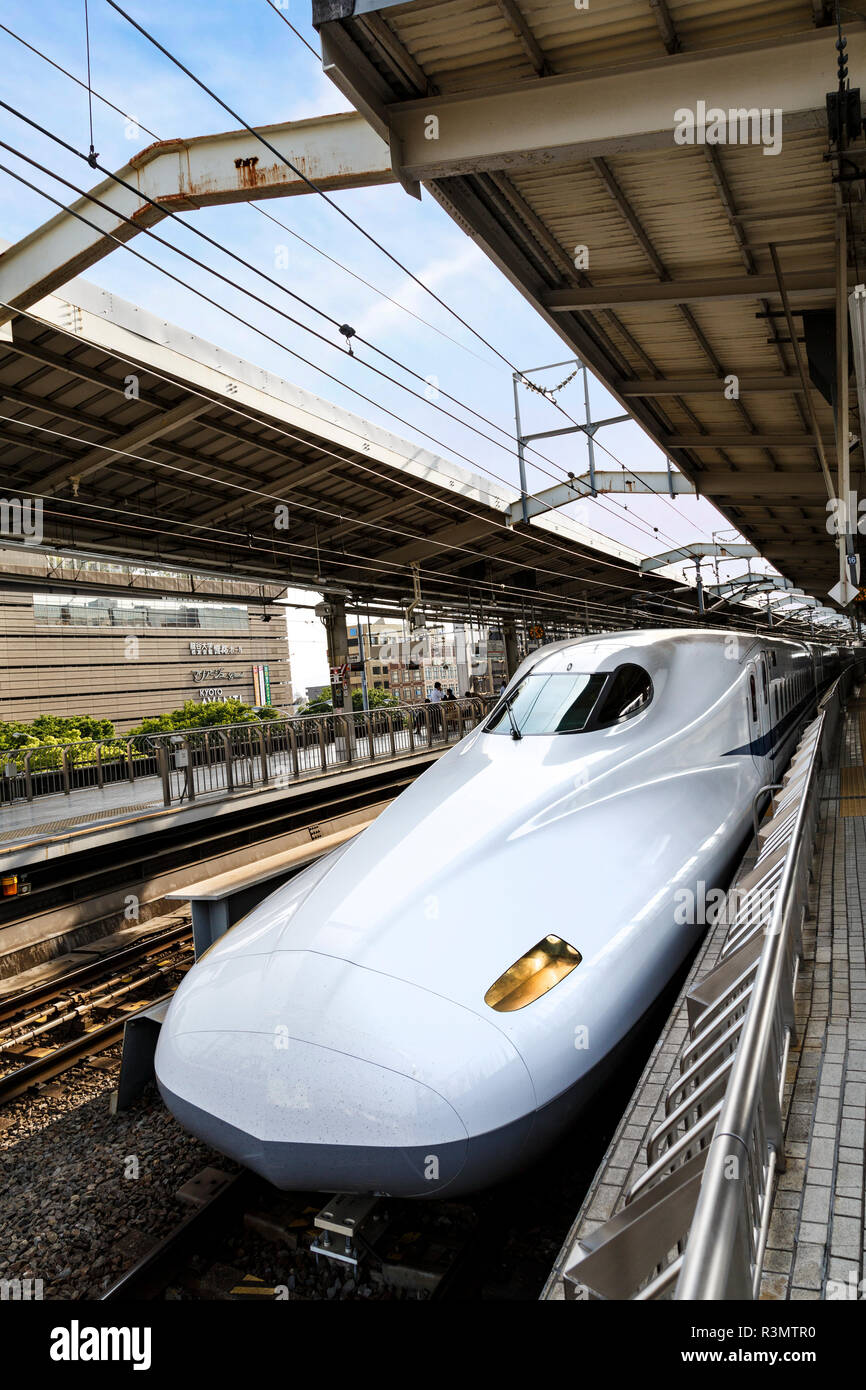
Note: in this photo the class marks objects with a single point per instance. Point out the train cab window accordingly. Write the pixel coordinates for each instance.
(753, 699)
(629, 692)
(558, 702)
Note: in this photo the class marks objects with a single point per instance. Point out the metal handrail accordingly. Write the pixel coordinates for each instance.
(50, 769)
(697, 1217)
(718, 1259)
(275, 752)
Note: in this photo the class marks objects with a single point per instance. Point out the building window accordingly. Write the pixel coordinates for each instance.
(128, 613)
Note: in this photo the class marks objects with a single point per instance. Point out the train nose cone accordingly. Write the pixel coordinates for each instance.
(322, 1075)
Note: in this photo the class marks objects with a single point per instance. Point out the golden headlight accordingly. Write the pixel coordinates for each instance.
(533, 975)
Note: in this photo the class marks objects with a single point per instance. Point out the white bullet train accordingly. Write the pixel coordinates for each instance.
(424, 1009)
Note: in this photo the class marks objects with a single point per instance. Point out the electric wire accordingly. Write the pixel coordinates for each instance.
(252, 327)
(623, 509)
(629, 520)
(253, 206)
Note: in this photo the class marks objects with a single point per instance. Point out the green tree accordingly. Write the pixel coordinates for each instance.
(378, 699)
(194, 716)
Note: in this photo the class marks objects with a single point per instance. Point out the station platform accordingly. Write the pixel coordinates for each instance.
(816, 1242)
(32, 832)
(48, 815)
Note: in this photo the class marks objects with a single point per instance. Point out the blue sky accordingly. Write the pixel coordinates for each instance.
(245, 53)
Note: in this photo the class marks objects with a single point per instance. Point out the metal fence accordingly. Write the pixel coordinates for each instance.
(50, 769)
(694, 1225)
(275, 752)
(201, 762)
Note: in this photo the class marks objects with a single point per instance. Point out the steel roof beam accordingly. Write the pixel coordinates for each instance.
(528, 42)
(140, 435)
(665, 23)
(580, 116)
(698, 550)
(548, 499)
(759, 482)
(648, 387)
(335, 152)
(613, 296)
(778, 439)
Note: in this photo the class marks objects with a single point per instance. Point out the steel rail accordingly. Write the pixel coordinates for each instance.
(23, 1079)
(56, 988)
(147, 1278)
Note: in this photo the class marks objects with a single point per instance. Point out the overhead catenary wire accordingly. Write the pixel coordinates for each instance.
(314, 187)
(331, 515)
(252, 327)
(276, 9)
(233, 408)
(196, 231)
(92, 156)
(376, 564)
(253, 206)
(587, 492)
(602, 446)
(548, 393)
(370, 563)
(311, 184)
(593, 609)
(622, 509)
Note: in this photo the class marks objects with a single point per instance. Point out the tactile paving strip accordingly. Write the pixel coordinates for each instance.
(49, 827)
(852, 791)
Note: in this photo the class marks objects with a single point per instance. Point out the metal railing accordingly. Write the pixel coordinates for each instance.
(227, 758)
(52, 769)
(694, 1225)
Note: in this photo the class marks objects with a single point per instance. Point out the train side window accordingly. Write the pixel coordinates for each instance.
(764, 681)
(753, 699)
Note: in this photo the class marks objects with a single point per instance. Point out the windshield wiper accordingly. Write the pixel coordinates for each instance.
(515, 732)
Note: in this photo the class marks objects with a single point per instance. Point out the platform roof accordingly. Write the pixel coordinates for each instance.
(189, 477)
(547, 130)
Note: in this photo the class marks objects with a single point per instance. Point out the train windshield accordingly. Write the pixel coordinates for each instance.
(559, 703)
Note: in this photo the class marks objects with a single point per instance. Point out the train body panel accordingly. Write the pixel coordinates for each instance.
(343, 1036)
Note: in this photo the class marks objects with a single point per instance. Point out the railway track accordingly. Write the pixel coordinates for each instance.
(149, 1277)
(406, 1249)
(80, 1002)
(31, 1000)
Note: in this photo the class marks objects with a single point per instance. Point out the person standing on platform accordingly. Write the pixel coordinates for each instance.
(436, 698)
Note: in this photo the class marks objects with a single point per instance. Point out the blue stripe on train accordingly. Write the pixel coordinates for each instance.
(767, 745)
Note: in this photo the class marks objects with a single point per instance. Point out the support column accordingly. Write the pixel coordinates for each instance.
(338, 654)
(512, 651)
(847, 544)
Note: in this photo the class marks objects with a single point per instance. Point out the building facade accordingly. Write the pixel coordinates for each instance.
(126, 659)
(377, 638)
(407, 665)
